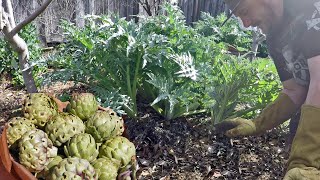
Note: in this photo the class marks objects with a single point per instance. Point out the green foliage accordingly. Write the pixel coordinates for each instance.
(9, 63)
(6, 57)
(105, 54)
(170, 78)
(117, 55)
(172, 88)
(263, 88)
(64, 97)
(178, 69)
(231, 33)
(112, 99)
(223, 90)
(234, 86)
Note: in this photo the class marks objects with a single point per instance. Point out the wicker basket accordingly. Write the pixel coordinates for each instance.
(9, 168)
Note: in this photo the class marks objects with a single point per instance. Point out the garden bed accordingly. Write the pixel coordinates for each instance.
(182, 148)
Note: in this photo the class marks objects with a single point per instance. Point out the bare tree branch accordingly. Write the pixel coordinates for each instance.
(148, 7)
(8, 8)
(154, 6)
(20, 46)
(1, 20)
(30, 18)
(145, 6)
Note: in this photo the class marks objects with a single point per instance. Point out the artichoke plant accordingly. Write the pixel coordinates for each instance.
(106, 169)
(17, 126)
(104, 125)
(73, 168)
(82, 146)
(82, 105)
(118, 149)
(39, 108)
(63, 127)
(36, 150)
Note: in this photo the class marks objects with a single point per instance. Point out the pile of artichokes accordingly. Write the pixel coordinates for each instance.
(83, 142)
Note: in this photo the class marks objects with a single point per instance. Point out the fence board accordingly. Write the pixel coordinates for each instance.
(73, 11)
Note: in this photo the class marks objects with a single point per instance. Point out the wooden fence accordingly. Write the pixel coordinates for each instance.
(193, 8)
(74, 10)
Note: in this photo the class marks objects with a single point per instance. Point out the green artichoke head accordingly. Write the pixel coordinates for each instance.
(106, 168)
(82, 105)
(73, 168)
(82, 146)
(39, 108)
(104, 125)
(36, 150)
(118, 149)
(17, 126)
(63, 127)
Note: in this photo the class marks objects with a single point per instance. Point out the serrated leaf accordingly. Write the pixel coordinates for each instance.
(160, 97)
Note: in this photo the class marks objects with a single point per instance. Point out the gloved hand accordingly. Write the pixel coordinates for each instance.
(236, 127)
(305, 152)
(307, 173)
(274, 114)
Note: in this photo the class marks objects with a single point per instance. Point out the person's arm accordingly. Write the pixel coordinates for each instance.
(304, 157)
(313, 97)
(305, 152)
(296, 92)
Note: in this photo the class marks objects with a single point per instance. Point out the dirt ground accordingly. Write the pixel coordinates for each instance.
(182, 148)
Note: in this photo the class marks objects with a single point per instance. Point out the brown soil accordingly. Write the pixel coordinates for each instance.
(181, 148)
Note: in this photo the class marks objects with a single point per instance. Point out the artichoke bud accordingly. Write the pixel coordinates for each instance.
(83, 105)
(104, 125)
(63, 127)
(82, 146)
(39, 108)
(17, 126)
(36, 150)
(118, 149)
(73, 168)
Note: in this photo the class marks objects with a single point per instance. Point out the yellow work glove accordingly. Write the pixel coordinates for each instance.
(274, 114)
(307, 173)
(304, 157)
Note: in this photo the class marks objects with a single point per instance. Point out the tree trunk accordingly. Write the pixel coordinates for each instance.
(8, 8)
(2, 23)
(10, 31)
(20, 46)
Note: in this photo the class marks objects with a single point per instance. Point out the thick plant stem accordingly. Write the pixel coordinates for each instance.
(20, 46)
(132, 87)
(129, 81)
(135, 80)
(129, 111)
(130, 93)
